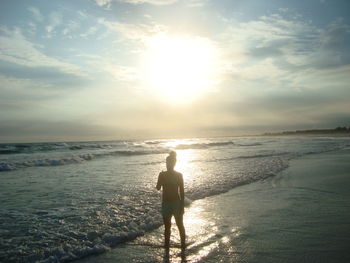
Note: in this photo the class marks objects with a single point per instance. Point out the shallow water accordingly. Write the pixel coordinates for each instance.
(64, 201)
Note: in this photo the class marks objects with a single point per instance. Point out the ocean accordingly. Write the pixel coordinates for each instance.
(65, 201)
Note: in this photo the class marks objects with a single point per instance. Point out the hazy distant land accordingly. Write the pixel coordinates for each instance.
(336, 131)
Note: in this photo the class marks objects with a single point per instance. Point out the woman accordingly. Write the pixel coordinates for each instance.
(172, 199)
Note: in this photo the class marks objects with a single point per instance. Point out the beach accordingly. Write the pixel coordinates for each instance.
(113, 113)
(250, 199)
(299, 215)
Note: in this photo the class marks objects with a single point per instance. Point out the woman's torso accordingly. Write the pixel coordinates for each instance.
(171, 183)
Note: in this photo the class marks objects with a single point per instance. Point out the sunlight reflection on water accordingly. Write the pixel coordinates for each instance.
(176, 142)
(184, 164)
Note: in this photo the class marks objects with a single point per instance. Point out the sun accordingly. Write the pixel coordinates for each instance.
(179, 70)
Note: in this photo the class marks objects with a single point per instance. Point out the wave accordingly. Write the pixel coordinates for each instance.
(249, 144)
(262, 155)
(80, 158)
(153, 142)
(203, 145)
(18, 148)
(30, 148)
(105, 149)
(13, 148)
(9, 151)
(110, 149)
(132, 152)
(10, 166)
(77, 243)
(214, 144)
(73, 159)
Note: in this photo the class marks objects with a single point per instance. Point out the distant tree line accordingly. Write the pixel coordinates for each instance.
(336, 130)
(342, 128)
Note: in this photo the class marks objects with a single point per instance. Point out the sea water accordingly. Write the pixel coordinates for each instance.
(64, 201)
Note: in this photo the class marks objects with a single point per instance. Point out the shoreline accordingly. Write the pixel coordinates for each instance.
(279, 219)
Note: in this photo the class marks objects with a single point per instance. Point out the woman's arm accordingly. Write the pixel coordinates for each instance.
(182, 194)
(159, 183)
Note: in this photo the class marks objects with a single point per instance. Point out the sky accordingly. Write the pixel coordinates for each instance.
(131, 69)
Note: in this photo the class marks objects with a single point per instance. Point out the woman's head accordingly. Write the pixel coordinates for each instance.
(171, 160)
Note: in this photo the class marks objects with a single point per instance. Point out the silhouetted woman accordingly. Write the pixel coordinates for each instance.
(172, 199)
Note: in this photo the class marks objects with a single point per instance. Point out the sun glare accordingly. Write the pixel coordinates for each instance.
(179, 70)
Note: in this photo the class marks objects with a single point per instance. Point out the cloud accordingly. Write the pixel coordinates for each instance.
(91, 31)
(52, 76)
(296, 41)
(333, 44)
(27, 99)
(39, 130)
(273, 35)
(153, 2)
(82, 14)
(282, 51)
(312, 98)
(327, 78)
(137, 32)
(116, 71)
(70, 27)
(107, 3)
(15, 48)
(281, 71)
(197, 3)
(122, 73)
(104, 3)
(23, 93)
(36, 13)
(55, 19)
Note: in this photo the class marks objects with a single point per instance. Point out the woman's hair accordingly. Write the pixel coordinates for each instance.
(172, 154)
(171, 159)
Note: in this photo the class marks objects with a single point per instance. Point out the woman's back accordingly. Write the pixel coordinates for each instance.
(171, 181)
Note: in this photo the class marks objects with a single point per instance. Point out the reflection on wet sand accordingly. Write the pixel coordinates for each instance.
(203, 234)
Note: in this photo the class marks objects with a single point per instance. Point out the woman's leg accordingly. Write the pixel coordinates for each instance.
(167, 231)
(180, 226)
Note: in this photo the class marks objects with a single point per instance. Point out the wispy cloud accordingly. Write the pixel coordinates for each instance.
(55, 19)
(283, 47)
(104, 3)
(153, 2)
(70, 27)
(15, 48)
(107, 3)
(122, 73)
(15, 90)
(197, 3)
(138, 32)
(283, 65)
(36, 13)
(117, 72)
(91, 31)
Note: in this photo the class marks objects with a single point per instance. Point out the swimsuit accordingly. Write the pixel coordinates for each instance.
(171, 208)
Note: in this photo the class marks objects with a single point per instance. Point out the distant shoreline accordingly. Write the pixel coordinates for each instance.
(339, 131)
